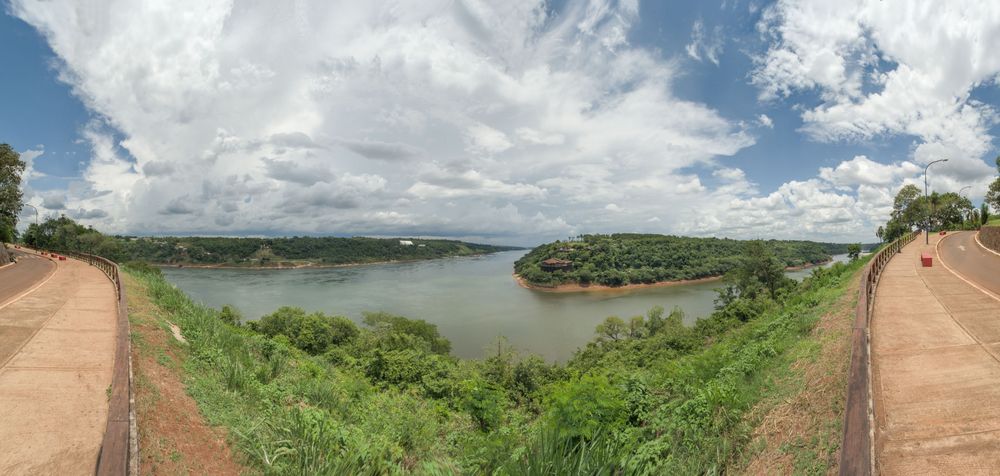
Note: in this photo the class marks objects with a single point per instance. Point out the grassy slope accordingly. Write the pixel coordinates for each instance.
(800, 422)
(726, 403)
(174, 437)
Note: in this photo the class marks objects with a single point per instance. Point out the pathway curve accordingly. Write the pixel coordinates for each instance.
(56, 358)
(935, 343)
(17, 278)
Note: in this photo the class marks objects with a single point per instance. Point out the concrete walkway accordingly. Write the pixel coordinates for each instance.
(936, 373)
(56, 360)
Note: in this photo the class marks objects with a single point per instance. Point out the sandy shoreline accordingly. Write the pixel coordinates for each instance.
(578, 288)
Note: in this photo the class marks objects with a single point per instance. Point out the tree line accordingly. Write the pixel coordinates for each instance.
(65, 234)
(648, 395)
(911, 209)
(624, 258)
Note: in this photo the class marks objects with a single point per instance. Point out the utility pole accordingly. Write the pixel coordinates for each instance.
(927, 226)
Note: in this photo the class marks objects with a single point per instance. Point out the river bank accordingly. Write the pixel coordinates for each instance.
(577, 288)
(306, 265)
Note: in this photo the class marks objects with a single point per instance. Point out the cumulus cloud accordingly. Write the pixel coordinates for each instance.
(519, 120)
(885, 68)
(414, 116)
(381, 150)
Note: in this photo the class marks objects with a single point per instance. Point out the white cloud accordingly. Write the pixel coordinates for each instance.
(705, 45)
(884, 68)
(377, 117)
(510, 120)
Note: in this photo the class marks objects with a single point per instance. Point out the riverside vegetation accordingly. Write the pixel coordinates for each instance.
(65, 234)
(308, 393)
(627, 258)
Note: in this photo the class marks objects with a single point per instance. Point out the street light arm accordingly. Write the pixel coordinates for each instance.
(927, 228)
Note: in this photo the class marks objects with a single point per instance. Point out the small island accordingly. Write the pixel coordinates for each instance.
(627, 260)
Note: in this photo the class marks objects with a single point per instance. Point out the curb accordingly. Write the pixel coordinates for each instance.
(981, 245)
(958, 275)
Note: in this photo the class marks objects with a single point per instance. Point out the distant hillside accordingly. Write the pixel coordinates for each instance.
(65, 234)
(292, 251)
(620, 259)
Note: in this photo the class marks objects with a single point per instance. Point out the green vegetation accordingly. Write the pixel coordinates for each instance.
(993, 193)
(620, 259)
(315, 394)
(945, 211)
(11, 168)
(65, 234)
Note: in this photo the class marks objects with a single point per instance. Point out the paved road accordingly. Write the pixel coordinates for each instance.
(17, 278)
(935, 343)
(961, 253)
(56, 358)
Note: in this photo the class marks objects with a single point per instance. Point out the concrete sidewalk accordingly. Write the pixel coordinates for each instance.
(936, 375)
(56, 360)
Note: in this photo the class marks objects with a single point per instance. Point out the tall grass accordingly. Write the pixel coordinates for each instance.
(291, 413)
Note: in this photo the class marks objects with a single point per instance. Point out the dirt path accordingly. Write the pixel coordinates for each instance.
(56, 359)
(936, 370)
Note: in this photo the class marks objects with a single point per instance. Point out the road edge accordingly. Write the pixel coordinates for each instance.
(937, 251)
(33, 288)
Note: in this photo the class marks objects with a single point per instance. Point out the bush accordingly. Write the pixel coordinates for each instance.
(583, 406)
(419, 328)
(314, 333)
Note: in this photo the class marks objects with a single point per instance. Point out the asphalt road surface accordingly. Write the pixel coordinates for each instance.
(19, 277)
(963, 255)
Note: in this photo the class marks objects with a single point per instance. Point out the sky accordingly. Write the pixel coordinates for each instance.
(514, 122)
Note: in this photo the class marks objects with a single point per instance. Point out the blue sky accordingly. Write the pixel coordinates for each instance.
(519, 123)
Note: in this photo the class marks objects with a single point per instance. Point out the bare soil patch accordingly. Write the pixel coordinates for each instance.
(173, 435)
(800, 431)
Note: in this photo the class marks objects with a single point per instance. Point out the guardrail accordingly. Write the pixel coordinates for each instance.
(120, 447)
(856, 450)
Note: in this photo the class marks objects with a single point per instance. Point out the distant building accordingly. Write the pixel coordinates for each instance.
(556, 264)
(405, 243)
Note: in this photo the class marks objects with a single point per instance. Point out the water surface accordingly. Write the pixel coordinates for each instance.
(472, 300)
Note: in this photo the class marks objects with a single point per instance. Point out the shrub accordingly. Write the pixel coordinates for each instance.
(314, 333)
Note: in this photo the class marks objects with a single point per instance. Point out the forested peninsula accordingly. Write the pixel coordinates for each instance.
(65, 234)
(636, 259)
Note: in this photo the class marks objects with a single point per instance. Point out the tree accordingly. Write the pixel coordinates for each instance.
(759, 271)
(613, 328)
(854, 251)
(905, 207)
(637, 327)
(880, 233)
(11, 168)
(984, 214)
(993, 194)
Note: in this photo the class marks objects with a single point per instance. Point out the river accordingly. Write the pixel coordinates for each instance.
(472, 300)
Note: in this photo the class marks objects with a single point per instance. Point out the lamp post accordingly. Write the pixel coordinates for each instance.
(927, 227)
(35, 209)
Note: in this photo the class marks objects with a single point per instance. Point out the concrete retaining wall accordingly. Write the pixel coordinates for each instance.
(989, 236)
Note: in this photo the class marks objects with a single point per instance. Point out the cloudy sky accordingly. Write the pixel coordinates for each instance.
(514, 122)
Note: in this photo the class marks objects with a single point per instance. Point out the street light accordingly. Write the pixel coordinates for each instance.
(927, 228)
(36, 212)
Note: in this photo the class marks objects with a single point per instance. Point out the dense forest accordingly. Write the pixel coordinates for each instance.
(65, 234)
(310, 393)
(620, 259)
